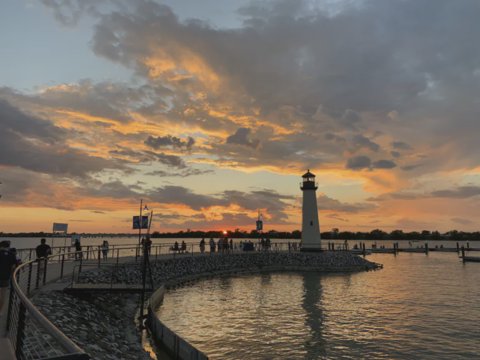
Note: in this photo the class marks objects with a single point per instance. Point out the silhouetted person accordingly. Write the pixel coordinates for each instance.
(105, 248)
(43, 250)
(78, 249)
(202, 245)
(7, 264)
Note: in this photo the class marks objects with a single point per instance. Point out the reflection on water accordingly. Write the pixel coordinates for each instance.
(418, 306)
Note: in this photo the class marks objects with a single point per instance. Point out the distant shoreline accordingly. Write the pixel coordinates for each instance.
(335, 234)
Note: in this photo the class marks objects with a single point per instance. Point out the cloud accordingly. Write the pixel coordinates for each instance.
(462, 221)
(358, 163)
(273, 204)
(400, 145)
(242, 137)
(182, 173)
(166, 159)
(383, 164)
(362, 142)
(326, 203)
(461, 192)
(169, 141)
(35, 144)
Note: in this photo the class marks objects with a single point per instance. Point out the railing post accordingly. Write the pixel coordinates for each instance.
(81, 262)
(37, 280)
(88, 251)
(45, 271)
(118, 255)
(10, 304)
(61, 268)
(156, 252)
(20, 331)
(29, 282)
(98, 257)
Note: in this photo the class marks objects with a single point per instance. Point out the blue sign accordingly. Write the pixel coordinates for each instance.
(136, 222)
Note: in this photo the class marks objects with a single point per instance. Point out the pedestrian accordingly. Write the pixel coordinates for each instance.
(43, 250)
(212, 245)
(202, 245)
(78, 249)
(105, 247)
(184, 247)
(7, 264)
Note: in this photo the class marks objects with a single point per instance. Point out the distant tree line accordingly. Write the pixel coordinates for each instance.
(335, 233)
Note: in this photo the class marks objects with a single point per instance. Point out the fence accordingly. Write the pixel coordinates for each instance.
(33, 336)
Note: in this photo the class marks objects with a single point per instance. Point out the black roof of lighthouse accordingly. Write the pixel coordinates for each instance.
(308, 174)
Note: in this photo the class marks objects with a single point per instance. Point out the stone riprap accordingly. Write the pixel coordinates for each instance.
(101, 324)
(185, 266)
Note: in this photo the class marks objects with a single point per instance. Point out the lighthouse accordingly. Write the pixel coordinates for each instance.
(310, 224)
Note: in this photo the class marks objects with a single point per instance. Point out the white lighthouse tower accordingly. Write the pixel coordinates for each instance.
(310, 224)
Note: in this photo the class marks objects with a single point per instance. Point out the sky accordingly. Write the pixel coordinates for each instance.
(210, 111)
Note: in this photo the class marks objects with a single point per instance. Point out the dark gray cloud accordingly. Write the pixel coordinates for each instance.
(272, 202)
(35, 144)
(180, 173)
(400, 145)
(461, 192)
(326, 203)
(170, 141)
(358, 163)
(181, 195)
(383, 164)
(362, 142)
(166, 159)
(242, 137)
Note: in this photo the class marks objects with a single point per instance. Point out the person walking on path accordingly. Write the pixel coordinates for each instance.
(7, 264)
(202, 245)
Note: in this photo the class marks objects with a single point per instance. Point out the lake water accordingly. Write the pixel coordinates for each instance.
(417, 307)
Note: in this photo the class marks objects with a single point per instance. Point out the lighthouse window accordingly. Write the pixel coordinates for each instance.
(311, 223)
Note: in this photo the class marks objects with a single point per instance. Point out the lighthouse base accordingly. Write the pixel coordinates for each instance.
(311, 247)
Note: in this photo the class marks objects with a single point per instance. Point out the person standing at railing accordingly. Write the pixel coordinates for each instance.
(78, 249)
(7, 264)
(43, 250)
(202, 245)
(105, 248)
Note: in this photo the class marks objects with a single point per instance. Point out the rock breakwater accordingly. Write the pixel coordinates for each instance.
(186, 266)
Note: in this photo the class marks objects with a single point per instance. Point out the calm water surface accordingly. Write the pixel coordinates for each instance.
(417, 307)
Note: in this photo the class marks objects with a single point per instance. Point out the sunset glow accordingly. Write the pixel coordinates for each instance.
(212, 112)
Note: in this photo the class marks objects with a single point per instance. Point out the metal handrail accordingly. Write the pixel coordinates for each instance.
(63, 340)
